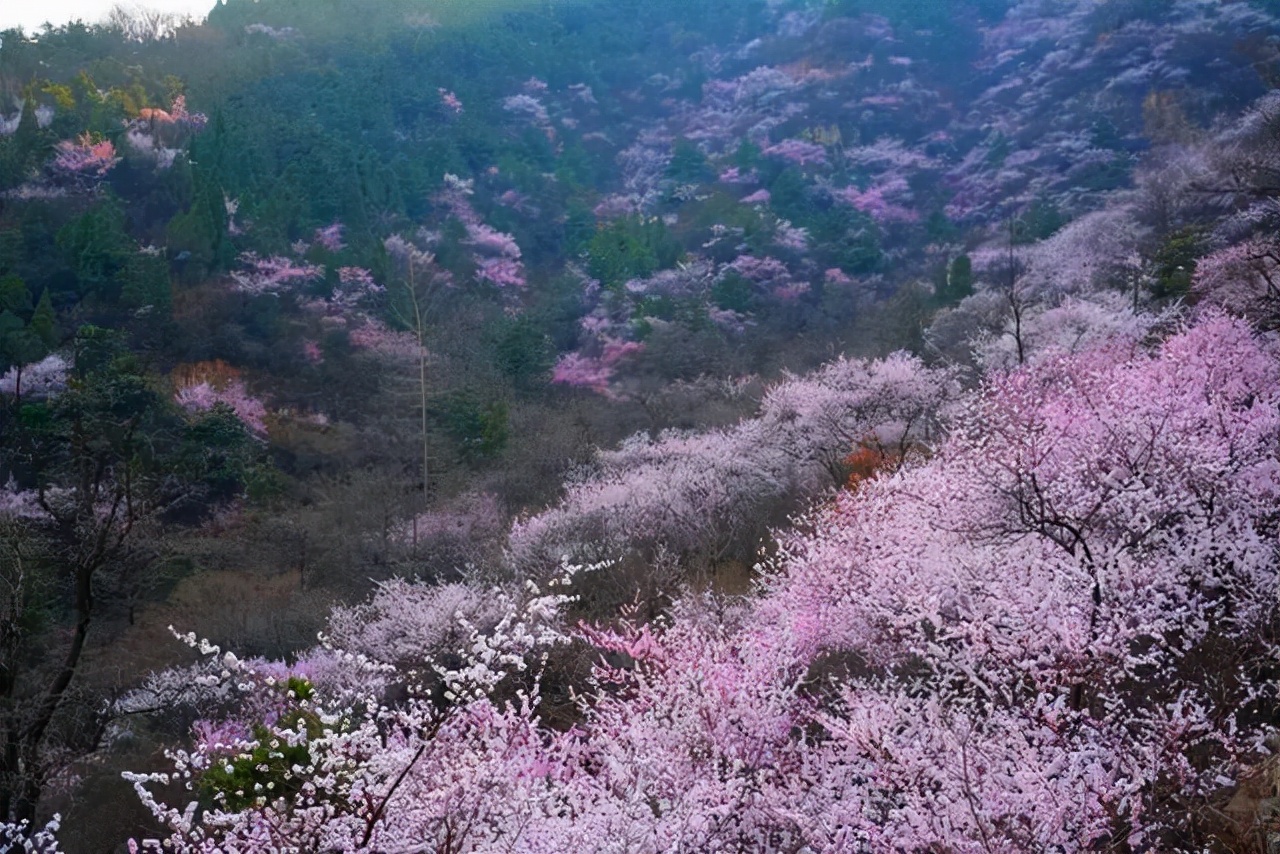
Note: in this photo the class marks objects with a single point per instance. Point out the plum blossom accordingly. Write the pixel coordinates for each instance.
(1243, 277)
(874, 203)
(85, 158)
(374, 335)
(788, 236)
(496, 254)
(330, 237)
(43, 379)
(27, 839)
(766, 273)
(594, 372)
(272, 276)
(205, 395)
(734, 175)
(529, 107)
(355, 286)
(450, 100)
(799, 152)
(699, 492)
(16, 503)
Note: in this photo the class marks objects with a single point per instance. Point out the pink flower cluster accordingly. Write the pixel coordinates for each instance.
(594, 372)
(496, 255)
(355, 285)
(874, 202)
(529, 107)
(273, 275)
(799, 152)
(502, 272)
(450, 100)
(42, 379)
(203, 396)
(376, 336)
(1243, 278)
(175, 115)
(768, 274)
(734, 175)
(983, 622)
(85, 158)
(18, 503)
(330, 237)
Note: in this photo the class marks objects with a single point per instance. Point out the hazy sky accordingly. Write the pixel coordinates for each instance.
(32, 13)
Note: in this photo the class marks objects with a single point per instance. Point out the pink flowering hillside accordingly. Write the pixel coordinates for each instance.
(640, 426)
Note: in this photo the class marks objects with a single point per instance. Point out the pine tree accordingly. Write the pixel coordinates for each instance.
(44, 321)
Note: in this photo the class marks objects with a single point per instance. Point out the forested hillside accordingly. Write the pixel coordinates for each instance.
(734, 425)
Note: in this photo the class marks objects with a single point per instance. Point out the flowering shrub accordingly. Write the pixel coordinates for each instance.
(85, 159)
(272, 276)
(203, 396)
(27, 840)
(204, 385)
(594, 372)
(958, 653)
(322, 771)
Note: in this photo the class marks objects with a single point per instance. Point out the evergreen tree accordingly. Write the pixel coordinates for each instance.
(44, 321)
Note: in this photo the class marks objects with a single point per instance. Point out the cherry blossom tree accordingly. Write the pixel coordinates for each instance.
(1073, 325)
(450, 101)
(330, 237)
(594, 372)
(1044, 634)
(84, 159)
(396, 344)
(356, 285)
(272, 276)
(496, 254)
(205, 395)
(40, 380)
(331, 770)
(875, 201)
(1242, 278)
(1093, 521)
(799, 152)
(704, 493)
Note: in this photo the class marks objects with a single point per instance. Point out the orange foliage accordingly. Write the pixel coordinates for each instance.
(155, 115)
(216, 373)
(867, 459)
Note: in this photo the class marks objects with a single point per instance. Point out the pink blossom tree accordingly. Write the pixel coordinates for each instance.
(398, 344)
(1242, 278)
(272, 276)
(356, 286)
(594, 372)
(204, 396)
(701, 493)
(450, 101)
(1093, 521)
(496, 254)
(875, 201)
(1043, 634)
(43, 379)
(325, 769)
(799, 152)
(330, 237)
(85, 160)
